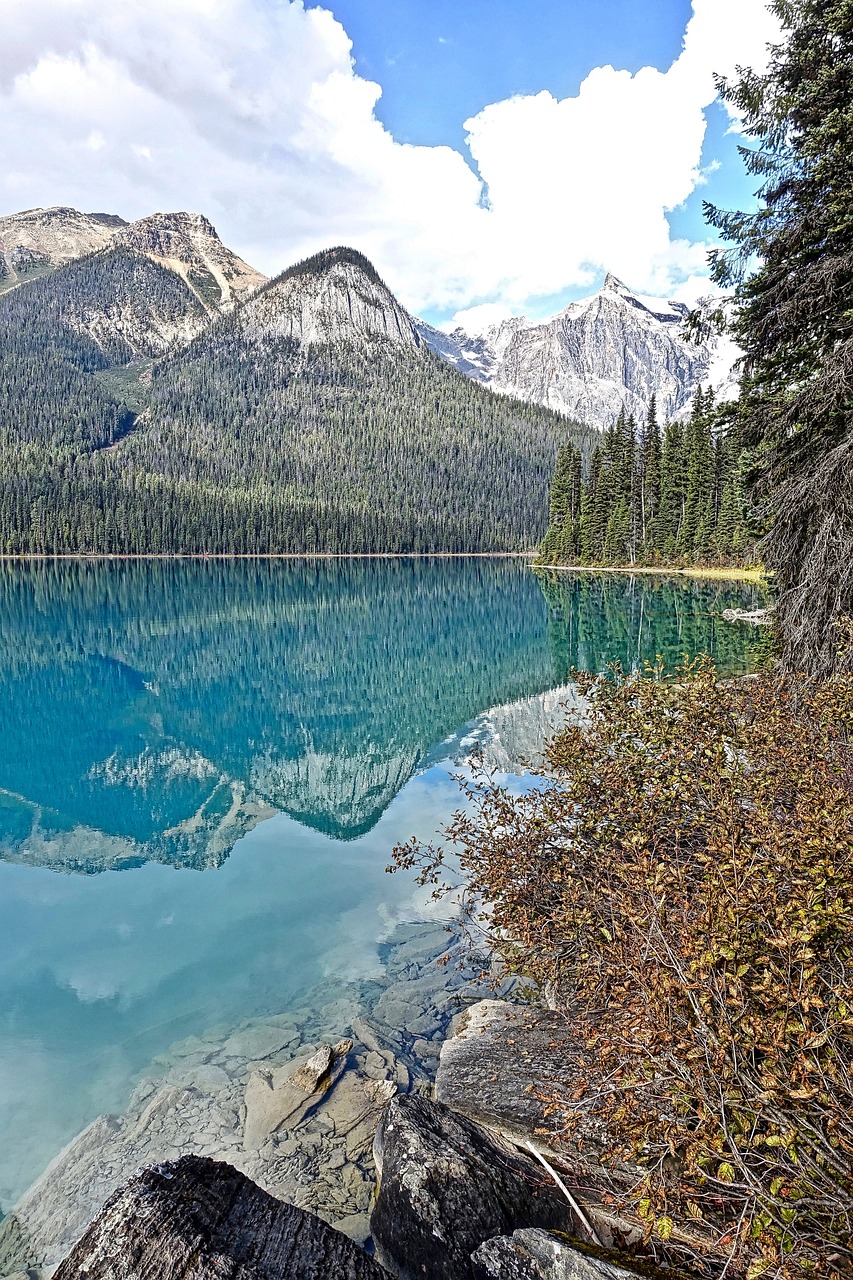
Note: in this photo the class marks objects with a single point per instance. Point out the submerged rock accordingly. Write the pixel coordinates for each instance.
(284, 1096)
(446, 1186)
(196, 1218)
(230, 1095)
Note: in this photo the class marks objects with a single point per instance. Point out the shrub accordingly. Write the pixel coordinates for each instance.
(682, 880)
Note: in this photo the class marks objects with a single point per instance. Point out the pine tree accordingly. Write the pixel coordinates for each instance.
(694, 534)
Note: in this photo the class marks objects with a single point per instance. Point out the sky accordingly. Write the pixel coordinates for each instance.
(491, 157)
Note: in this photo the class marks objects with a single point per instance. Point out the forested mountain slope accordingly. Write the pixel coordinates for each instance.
(311, 418)
(62, 335)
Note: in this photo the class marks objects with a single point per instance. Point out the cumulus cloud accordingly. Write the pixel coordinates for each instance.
(254, 115)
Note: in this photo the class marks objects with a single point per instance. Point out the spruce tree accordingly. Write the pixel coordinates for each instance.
(794, 322)
(650, 475)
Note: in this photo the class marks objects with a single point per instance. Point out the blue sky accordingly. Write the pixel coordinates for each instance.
(490, 158)
(441, 62)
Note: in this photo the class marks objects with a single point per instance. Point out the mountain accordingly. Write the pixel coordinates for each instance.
(127, 305)
(332, 297)
(33, 243)
(187, 244)
(611, 351)
(311, 417)
(36, 240)
(78, 334)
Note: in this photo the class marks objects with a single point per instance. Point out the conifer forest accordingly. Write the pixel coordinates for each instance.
(652, 496)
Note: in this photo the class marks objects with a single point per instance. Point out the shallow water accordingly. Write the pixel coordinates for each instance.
(205, 765)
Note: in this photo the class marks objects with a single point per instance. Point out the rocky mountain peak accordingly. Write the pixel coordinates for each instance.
(599, 355)
(187, 243)
(612, 284)
(165, 232)
(36, 240)
(336, 295)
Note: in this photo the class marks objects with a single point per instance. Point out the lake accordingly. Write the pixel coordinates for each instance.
(204, 766)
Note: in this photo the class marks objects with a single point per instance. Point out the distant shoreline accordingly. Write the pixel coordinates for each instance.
(712, 571)
(271, 555)
(732, 574)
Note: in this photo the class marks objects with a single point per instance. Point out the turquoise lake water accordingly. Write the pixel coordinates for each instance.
(205, 765)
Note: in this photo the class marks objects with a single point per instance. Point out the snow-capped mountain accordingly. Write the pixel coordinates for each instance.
(597, 356)
(610, 351)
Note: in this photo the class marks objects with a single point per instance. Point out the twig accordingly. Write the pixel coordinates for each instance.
(567, 1193)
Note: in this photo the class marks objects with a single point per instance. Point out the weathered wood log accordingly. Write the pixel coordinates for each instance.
(200, 1219)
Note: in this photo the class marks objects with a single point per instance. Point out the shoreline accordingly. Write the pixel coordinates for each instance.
(223, 1093)
(267, 555)
(755, 575)
(721, 573)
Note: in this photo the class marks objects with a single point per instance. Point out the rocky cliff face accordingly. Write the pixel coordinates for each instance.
(187, 243)
(333, 296)
(613, 350)
(36, 240)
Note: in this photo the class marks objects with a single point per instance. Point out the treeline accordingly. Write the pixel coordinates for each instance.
(254, 448)
(651, 496)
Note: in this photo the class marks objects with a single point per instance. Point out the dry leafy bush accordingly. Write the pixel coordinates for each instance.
(683, 880)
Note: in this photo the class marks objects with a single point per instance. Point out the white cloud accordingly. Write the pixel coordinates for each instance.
(477, 319)
(254, 115)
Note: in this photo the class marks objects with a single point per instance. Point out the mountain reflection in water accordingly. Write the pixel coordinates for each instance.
(161, 709)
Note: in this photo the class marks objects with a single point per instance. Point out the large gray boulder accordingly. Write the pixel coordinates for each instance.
(533, 1254)
(446, 1186)
(201, 1219)
(500, 1060)
(500, 1065)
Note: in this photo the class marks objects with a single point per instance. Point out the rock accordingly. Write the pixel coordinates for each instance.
(445, 1186)
(380, 1091)
(412, 998)
(354, 1225)
(311, 1074)
(365, 1032)
(532, 1254)
(494, 1056)
(597, 356)
(204, 1076)
(197, 1218)
(377, 1064)
(256, 1042)
(50, 1216)
(420, 944)
(285, 1095)
(496, 1066)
